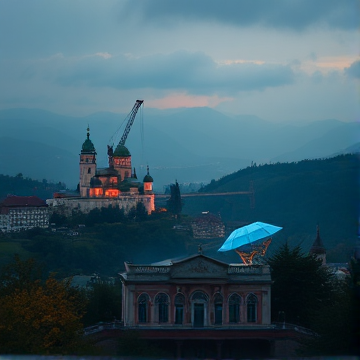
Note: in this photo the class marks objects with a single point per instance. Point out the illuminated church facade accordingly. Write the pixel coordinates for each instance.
(116, 185)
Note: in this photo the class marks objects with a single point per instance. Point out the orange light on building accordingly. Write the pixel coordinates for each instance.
(96, 192)
(148, 186)
(112, 193)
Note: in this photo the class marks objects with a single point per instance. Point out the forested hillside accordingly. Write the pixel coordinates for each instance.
(24, 186)
(296, 196)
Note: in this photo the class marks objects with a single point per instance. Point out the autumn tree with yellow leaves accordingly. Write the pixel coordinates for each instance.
(38, 316)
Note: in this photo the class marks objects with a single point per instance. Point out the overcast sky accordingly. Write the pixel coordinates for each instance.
(282, 60)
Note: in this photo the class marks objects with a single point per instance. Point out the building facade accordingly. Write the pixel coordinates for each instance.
(196, 292)
(199, 307)
(22, 213)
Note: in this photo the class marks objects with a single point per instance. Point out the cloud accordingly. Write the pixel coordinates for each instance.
(354, 70)
(295, 14)
(195, 73)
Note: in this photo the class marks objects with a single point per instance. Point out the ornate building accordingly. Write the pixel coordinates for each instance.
(197, 291)
(200, 302)
(115, 185)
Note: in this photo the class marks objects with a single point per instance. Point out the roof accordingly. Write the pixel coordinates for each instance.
(194, 269)
(121, 151)
(208, 218)
(87, 146)
(106, 172)
(148, 177)
(22, 201)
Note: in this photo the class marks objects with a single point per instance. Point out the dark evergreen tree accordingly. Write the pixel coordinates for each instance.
(302, 286)
(174, 204)
(104, 303)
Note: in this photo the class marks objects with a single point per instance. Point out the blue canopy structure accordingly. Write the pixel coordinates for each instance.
(249, 234)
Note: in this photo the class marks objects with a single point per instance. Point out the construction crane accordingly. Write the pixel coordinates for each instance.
(131, 117)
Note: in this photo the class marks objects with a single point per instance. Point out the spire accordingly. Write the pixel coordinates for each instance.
(318, 246)
(88, 132)
(135, 176)
(147, 170)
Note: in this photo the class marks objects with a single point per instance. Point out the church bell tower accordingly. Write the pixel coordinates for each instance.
(87, 165)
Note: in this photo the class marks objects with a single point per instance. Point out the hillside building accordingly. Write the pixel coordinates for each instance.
(23, 213)
(116, 186)
(208, 226)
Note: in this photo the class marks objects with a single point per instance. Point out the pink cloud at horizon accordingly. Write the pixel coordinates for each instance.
(183, 100)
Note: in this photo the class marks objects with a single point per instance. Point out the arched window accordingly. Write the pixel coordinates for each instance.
(251, 306)
(143, 301)
(218, 308)
(234, 308)
(199, 296)
(162, 303)
(179, 308)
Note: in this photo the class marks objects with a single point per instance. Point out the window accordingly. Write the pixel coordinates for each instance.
(162, 302)
(251, 305)
(179, 308)
(218, 307)
(143, 301)
(234, 308)
(89, 170)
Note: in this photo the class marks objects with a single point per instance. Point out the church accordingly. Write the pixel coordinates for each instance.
(116, 185)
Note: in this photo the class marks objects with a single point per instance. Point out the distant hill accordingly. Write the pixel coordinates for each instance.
(190, 145)
(24, 186)
(296, 196)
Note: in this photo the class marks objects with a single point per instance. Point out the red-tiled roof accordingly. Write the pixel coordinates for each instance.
(22, 201)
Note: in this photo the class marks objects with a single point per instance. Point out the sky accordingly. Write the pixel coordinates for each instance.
(281, 60)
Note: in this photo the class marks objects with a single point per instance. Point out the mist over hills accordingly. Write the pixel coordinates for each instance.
(187, 144)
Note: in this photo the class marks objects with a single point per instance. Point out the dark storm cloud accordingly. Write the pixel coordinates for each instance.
(195, 73)
(292, 14)
(354, 70)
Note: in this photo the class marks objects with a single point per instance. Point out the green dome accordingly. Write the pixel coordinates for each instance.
(87, 146)
(148, 178)
(121, 151)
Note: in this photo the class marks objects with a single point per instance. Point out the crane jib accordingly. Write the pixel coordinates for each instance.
(132, 116)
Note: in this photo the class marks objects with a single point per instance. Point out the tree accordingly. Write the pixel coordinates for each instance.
(104, 303)
(174, 204)
(301, 286)
(38, 317)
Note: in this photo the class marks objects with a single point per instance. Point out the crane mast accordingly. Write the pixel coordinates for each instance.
(130, 122)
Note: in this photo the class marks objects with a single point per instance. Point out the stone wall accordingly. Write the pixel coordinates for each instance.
(66, 206)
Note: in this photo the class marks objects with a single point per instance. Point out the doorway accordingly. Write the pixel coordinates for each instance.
(198, 315)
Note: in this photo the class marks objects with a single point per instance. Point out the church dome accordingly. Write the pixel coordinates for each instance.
(95, 182)
(87, 146)
(147, 177)
(121, 151)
